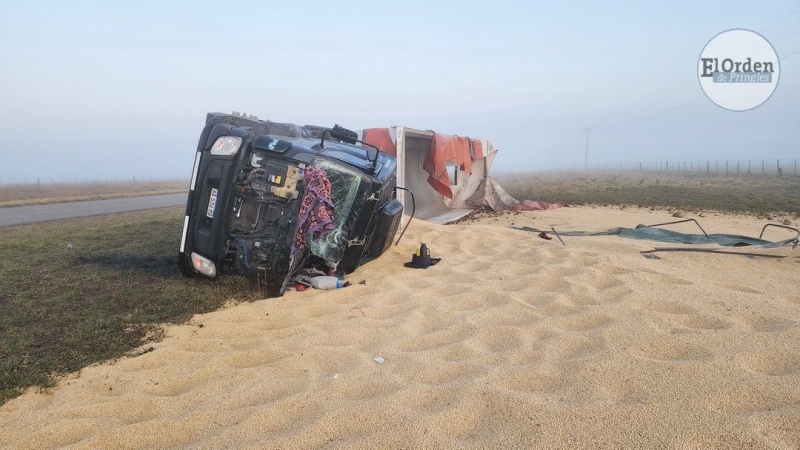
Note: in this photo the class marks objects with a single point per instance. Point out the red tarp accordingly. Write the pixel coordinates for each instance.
(380, 137)
(443, 148)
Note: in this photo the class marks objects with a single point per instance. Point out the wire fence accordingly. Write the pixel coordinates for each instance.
(757, 167)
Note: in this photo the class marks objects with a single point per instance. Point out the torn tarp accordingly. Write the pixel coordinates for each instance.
(652, 233)
(725, 240)
(443, 149)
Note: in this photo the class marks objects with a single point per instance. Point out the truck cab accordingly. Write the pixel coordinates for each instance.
(268, 199)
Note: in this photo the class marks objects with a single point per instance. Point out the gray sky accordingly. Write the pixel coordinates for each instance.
(95, 90)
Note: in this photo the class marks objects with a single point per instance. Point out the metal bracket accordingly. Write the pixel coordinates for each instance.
(262, 279)
(682, 221)
(356, 241)
(794, 239)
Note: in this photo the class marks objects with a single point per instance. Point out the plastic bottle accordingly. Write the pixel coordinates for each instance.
(324, 282)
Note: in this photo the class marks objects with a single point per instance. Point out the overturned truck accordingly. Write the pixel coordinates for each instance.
(269, 199)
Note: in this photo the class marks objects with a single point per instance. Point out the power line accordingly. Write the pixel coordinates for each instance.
(682, 81)
(670, 110)
(789, 55)
(794, 32)
(782, 19)
(698, 98)
(679, 83)
(773, 38)
(688, 102)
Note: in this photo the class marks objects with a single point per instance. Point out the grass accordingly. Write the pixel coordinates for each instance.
(690, 192)
(37, 194)
(81, 291)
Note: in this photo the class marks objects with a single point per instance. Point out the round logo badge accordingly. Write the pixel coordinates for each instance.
(738, 70)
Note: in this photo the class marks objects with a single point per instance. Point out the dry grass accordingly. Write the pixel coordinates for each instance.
(680, 191)
(79, 291)
(37, 194)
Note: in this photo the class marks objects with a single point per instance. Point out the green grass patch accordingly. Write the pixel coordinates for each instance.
(77, 292)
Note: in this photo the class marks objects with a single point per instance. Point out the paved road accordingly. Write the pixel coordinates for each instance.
(43, 213)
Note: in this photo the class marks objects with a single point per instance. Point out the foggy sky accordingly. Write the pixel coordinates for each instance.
(94, 90)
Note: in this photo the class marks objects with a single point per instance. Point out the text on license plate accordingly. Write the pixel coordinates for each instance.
(212, 203)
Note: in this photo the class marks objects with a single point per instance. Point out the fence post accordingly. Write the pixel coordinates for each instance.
(726, 167)
(780, 171)
(763, 169)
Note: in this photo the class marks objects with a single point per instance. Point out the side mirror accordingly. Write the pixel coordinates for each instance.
(372, 155)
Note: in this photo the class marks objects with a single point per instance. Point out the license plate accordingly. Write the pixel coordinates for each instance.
(212, 203)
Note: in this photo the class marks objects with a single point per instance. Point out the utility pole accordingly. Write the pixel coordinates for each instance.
(586, 159)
